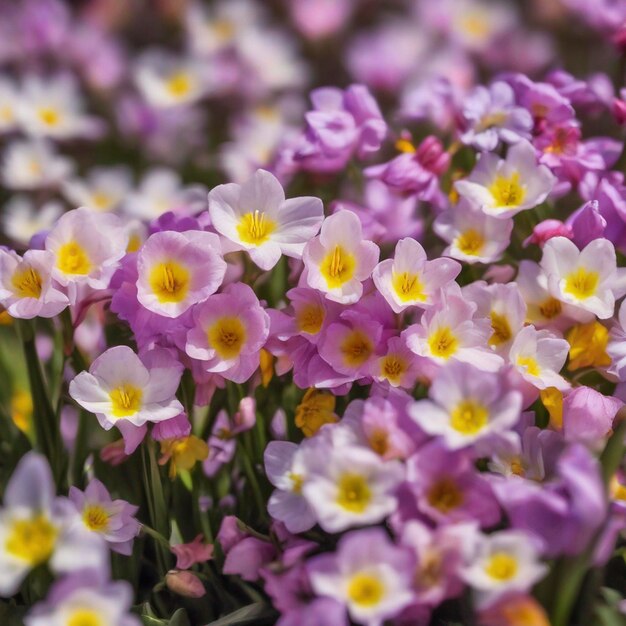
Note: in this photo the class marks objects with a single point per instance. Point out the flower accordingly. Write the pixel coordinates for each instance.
(256, 217)
(367, 573)
(183, 453)
(113, 520)
(315, 409)
(339, 260)
(26, 286)
(85, 598)
(514, 610)
(36, 527)
(587, 279)
(616, 347)
(503, 188)
(588, 344)
(122, 388)
(350, 486)
(22, 219)
(466, 405)
(104, 188)
(409, 279)
(178, 270)
(228, 333)
(539, 355)
(185, 584)
(188, 554)
(505, 561)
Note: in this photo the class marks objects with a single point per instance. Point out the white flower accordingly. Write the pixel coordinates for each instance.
(103, 189)
(588, 279)
(33, 164)
(502, 188)
(21, 218)
(9, 104)
(256, 217)
(161, 189)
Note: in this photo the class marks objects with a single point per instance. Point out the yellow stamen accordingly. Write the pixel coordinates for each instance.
(354, 493)
(501, 329)
(169, 281)
(31, 540)
(501, 566)
(507, 192)
(27, 283)
(408, 287)
(470, 242)
(469, 417)
(356, 348)
(125, 400)
(96, 518)
(582, 284)
(338, 267)
(309, 318)
(530, 363)
(227, 336)
(445, 495)
(72, 258)
(443, 343)
(365, 590)
(255, 228)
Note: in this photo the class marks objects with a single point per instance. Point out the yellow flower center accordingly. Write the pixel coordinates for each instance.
(72, 258)
(356, 348)
(470, 242)
(550, 308)
(588, 344)
(27, 283)
(255, 228)
(227, 336)
(125, 400)
(469, 417)
(490, 120)
(379, 441)
(393, 367)
(338, 267)
(552, 399)
(96, 518)
(582, 284)
(365, 590)
(501, 329)
(443, 343)
(445, 495)
(408, 287)
(179, 84)
(134, 243)
(22, 409)
(32, 540)
(84, 617)
(310, 318)
(49, 116)
(169, 281)
(501, 566)
(354, 493)
(530, 363)
(475, 25)
(507, 192)
(101, 200)
(617, 491)
(404, 145)
(297, 480)
(6, 114)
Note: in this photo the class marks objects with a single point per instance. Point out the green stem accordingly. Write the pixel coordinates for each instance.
(252, 479)
(156, 535)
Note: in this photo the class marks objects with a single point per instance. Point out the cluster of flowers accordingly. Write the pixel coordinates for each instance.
(399, 407)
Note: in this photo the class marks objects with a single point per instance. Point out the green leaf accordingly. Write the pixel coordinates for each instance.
(247, 615)
(608, 616)
(179, 618)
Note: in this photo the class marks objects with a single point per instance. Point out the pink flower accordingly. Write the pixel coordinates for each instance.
(196, 551)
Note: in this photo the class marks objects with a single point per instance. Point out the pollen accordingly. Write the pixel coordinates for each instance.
(356, 349)
(582, 284)
(501, 566)
(501, 329)
(507, 192)
(469, 417)
(169, 281)
(96, 518)
(338, 267)
(227, 337)
(470, 242)
(27, 283)
(310, 318)
(32, 540)
(443, 343)
(550, 308)
(125, 400)
(255, 228)
(353, 493)
(72, 258)
(530, 364)
(297, 481)
(392, 368)
(366, 590)
(445, 495)
(408, 287)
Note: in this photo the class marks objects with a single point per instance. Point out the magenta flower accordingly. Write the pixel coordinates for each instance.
(188, 554)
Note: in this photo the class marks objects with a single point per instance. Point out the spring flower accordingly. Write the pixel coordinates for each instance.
(285, 466)
(121, 387)
(473, 236)
(53, 108)
(160, 190)
(113, 520)
(339, 260)
(514, 610)
(178, 270)
(33, 165)
(505, 561)
(315, 409)
(88, 599)
(449, 332)
(188, 554)
(9, 102)
(22, 218)
(256, 217)
(26, 286)
(490, 115)
(182, 453)
(367, 573)
(167, 81)
(87, 248)
(229, 331)
(36, 527)
(354, 487)
(587, 279)
(103, 189)
(398, 366)
(539, 355)
(409, 279)
(503, 188)
(588, 343)
(185, 584)
(616, 347)
(466, 405)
